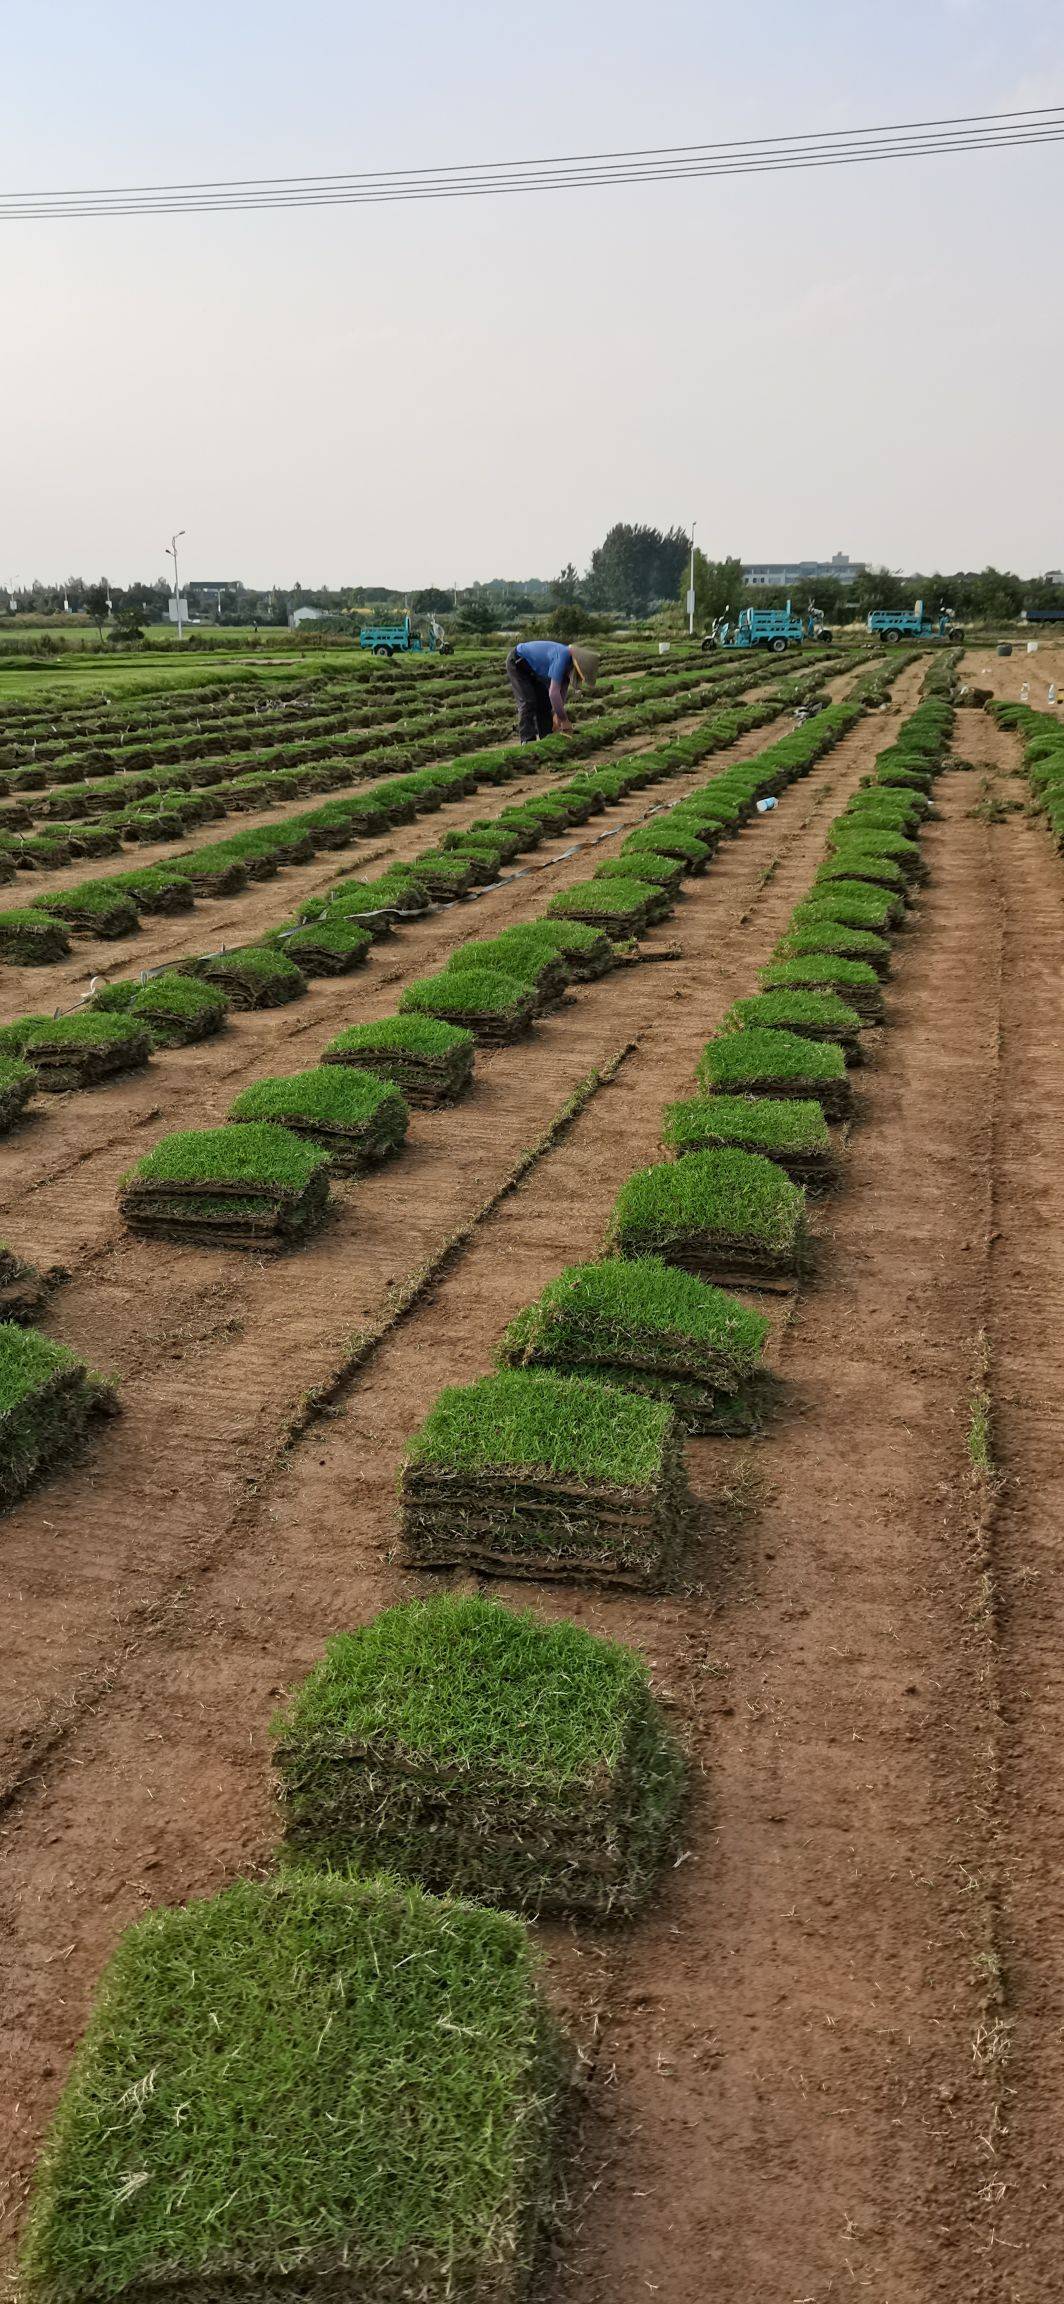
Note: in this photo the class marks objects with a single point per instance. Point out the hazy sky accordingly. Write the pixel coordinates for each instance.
(866, 359)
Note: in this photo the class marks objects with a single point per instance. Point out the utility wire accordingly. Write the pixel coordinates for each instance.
(756, 156)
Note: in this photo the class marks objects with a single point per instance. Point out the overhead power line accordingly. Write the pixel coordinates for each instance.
(568, 172)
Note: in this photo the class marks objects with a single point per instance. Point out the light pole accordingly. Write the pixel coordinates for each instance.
(691, 590)
(172, 555)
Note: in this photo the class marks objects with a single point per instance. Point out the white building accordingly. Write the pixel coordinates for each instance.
(773, 573)
(305, 616)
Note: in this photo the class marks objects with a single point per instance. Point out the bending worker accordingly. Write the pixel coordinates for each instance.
(539, 672)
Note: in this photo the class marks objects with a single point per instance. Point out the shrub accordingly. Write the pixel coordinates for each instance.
(788, 1129)
(763, 1062)
(81, 1050)
(495, 1007)
(731, 1216)
(813, 1015)
(245, 1186)
(852, 980)
(461, 1745)
(524, 1474)
(650, 1328)
(432, 1063)
(48, 1399)
(31, 939)
(251, 976)
(359, 1120)
(338, 2086)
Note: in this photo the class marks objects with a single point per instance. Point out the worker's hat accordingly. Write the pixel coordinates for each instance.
(586, 662)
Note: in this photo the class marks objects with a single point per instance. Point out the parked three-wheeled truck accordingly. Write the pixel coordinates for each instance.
(403, 638)
(895, 624)
(773, 628)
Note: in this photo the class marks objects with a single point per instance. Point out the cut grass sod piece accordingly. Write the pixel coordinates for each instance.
(813, 1015)
(96, 909)
(659, 871)
(79, 1051)
(326, 947)
(251, 976)
(657, 897)
(789, 1130)
(858, 861)
(461, 1745)
(649, 1328)
(494, 1007)
(618, 906)
(761, 1062)
(586, 951)
(537, 1475)
(525, 953)
(729, 1216)
(30, 939)
(340, 2088)
(357, 1119)
(851, 980)
(17, 1083)
(432, 1063)
(826, 936)
(850, 905)
(176, 1010)
(47, 1401)
(240, 1187)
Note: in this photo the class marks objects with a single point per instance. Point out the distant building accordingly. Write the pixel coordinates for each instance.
(774, 573)
(208, 595)
(305, 616)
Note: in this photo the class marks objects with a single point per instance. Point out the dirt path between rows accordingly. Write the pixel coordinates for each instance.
(178, 1583)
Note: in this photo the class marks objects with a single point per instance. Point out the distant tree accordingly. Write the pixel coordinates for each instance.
(478, 616)
(432, 600)
(565, 587)
(718, 586)
(126, 630)
(636, 569)
(96, 599)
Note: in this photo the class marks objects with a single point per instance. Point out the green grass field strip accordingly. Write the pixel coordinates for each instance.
(533, 1474)
(245, 1185)
(467, 1747)
(333, 2087)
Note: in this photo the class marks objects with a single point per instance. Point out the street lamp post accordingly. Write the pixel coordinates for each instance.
(171, 551)
(691, 589)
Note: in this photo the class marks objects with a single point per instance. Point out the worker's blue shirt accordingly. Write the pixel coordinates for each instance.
(548, 659)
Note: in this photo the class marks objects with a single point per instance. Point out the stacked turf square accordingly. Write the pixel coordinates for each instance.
(527, 953)
(334, 2088)
(48, 1399)
(251, 1185)
(620, 907)
(851, 980)
(587, 952)
(811, 1015)
(652, 1329)
(771, 1063)
(31, 939)
(327, 947)
(80, 1051)
(431, 1063)
(730, 1216)
(538, 1475)
(787, 1129)
(252, 976)
(17, 1083)
(356, 1118)
(175, 1009)
(496, 1008)
(459, 1744)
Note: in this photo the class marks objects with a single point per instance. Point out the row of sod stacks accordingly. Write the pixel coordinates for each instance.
(48, 1400)
(652, 1329)
(449, 1744)
(249, 1185)
(543, 1475)
(456, 1742)
(1043, 759)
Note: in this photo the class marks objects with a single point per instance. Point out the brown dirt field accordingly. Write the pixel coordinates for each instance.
(164, 1593)
(1006, 675)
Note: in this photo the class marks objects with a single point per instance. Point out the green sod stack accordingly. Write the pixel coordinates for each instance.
(251, 976)
(665, 872)
(95, 909)
(326, 947)
(458, 1744)
(786, 1129)
(851, 980)
(729, 1216)
(334, 2089)
(357, 1119)
(24, 1291)
(651, 1329)
(768, 1063)
(494, 1007)
(48, 1399)
(822, 935)
(174, 1008)
(820, 1016)
(431, 1063)
(525, 953)
(537, 1475)
(80, 1051)
(587, 952)
(620, 907)
(31, 940)
(17, 1083)
(245, 1186)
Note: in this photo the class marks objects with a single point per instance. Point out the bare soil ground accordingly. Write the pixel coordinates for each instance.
(830, 2061)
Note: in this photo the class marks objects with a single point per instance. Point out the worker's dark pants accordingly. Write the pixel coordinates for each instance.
(535, 713)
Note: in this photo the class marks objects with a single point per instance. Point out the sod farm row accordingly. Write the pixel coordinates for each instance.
(578, 1792)
(111, 904)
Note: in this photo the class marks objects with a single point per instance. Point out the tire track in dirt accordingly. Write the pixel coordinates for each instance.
(178, 1721)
